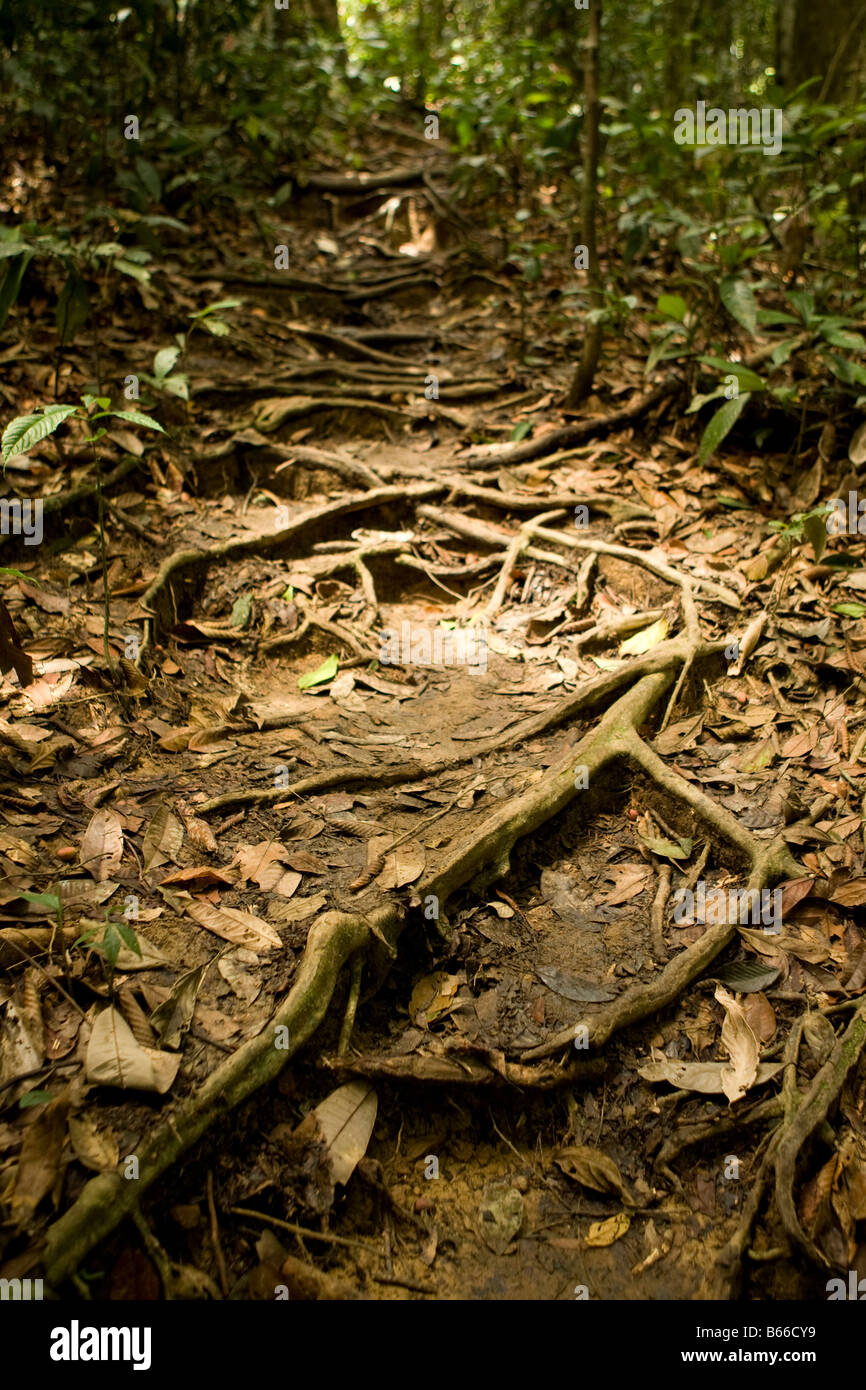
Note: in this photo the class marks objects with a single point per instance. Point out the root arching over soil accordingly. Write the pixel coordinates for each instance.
(510, 838)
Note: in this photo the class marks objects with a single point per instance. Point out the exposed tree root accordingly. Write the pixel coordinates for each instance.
(466, 1070)
(492, 456)
(525, 502)
(810, 1114)
(56, 508)
(711, 1132)
(185, 569)
(666, 656)
(481, 853)
(768, 861)
(657, 919)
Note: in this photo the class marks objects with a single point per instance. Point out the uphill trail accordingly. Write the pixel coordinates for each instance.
(450, 727)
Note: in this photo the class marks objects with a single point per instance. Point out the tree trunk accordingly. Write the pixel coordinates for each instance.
(829, 48)
(581, 384)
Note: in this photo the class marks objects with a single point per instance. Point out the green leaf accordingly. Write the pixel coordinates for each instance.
(738, 299)
(815, 528)
(27, 430)
(697, 402)
(49, 900)
(851, 373)
(35, 1098)
(848, 342)
(241, 611)
(11, 287)
(137, 272)
(13, 248)
(127, 935)
(672, 306)
(177, 385)
(768, 317)
(149, 177)
(659, 351)
(782, 351)
(804, 302)
(110, 944)
(747, 380)
(218, 327)
(850, 610)
(165, 360)
(722, 422)
(135, 417)
(73, 306)
(322, 674)
(215, 308)
(521, 430)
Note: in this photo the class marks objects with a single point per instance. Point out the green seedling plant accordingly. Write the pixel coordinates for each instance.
(810, 526)
(164, 377)
(105, 939)
(26, 431)
(85, 262)
(54, 903)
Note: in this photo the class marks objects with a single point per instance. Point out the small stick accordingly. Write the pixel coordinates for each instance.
(304, 1230)
(215, 1236)
(657, 921)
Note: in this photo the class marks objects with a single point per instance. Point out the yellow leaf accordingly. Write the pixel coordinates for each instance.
(645, 640)
(603, 1233)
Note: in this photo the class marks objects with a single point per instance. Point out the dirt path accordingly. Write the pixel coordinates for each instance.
(349, 482)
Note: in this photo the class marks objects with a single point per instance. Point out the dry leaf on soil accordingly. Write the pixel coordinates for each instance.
(741, 1045)
(593, 1169)
(602, 1233)
(114, 1058)
(96, 1149)
(162, 838)
(344, 1122)
(172, 1017)
(40, 1158)
(403, 865)
(240, 928)
(102, 845)
(705, 1077)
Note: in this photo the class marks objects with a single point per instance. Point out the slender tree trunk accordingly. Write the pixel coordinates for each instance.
(828, 47)
(581, 384)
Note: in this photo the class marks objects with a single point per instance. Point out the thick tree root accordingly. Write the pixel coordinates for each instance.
(333, 939)
(767, 862)
(810, 1114)
(466, 1070)
(493, 456)
(165, 598)
(664, 657)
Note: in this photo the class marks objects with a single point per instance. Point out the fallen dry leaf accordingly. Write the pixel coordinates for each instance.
(593, 1169)
(102, 845)
(114, 1058)
(741, 1046)
(240, 928)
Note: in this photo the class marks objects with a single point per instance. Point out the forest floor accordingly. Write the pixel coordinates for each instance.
(559, 1083)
